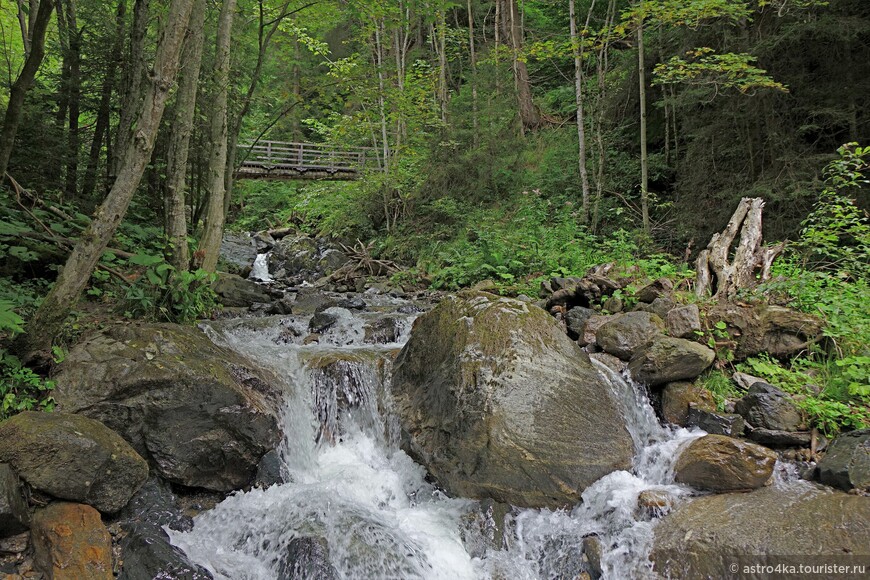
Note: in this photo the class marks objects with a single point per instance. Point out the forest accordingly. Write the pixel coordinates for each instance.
(509, 141)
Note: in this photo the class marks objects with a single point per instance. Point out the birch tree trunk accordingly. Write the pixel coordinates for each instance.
(15, 107)
(581, 118)
(48, 320)
(644, 158)
(179, 145)
(210, 244)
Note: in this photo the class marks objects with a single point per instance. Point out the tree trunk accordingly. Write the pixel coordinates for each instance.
(177, 252)
(581, 118)
(210, 244)
(49, 318)
(134, 76)
(473, 57)
(74, 90)
(721, 275)
(530, 117)
(644, 158)
(15, 108)
(101, 130)
(441, 49)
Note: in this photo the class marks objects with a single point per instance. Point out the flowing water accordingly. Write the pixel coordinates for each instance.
(347, 480)
(260, 270)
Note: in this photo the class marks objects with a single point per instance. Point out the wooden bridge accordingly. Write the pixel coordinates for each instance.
(282, 160)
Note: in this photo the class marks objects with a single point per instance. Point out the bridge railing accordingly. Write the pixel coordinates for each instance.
(301, 157)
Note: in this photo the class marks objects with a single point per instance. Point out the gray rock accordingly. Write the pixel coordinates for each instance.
(14, 515)
(613, 304)
(744, 380)
(305, 259)
(155, 504)
(590, 329)
(767, 407)
(383, 330)
(270, 470)
(846, 464)
(594, 552)
(719, 463)
(202, 415)
(307, 559)
(650, 292)
(624, 335)
(684, 321)
(147, 555)
(714, 423)
(575, 320)
(703, 537)
(677, 397)
(774, 330)
(668, 359)
(321, 322)
(72, 457)
(233, 290)
(778, 439)
(238, 250)
(486, 528)
(660, 306)
(497, 402)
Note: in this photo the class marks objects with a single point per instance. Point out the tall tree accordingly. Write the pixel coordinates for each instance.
(578, 45)
(210, 243)
(512, 31)
(34, 42)
(179, 145)
(644, 157)
(48, 319)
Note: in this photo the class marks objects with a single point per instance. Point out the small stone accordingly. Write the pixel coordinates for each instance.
(575, 320)
(677, 397)
(593, 323)
(652, 291)
(594, 551)
(669, 359)
(70, 542)
(767, 407)
(655, 502)
(684, 321)
(714, 423)
(613, 304)
(777, 439)
(321, 322)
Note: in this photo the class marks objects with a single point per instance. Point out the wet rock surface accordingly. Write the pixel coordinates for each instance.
(202, 415)
(72, 457)
(668, 359)
(719, 463)
(70, 542)
(497, 402)
(14, 513)
(677, 399)
(846, 464)
(702, 538)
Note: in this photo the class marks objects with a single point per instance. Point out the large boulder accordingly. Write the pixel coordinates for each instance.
(202, 415)
(497, 402)
(846, 464)
(667, 359)
(300, 258)
(238, 251)
(72, 457)
(720, 463)
(705, 537)
(70, 542)
(684, 321)
(233, 290)
(307, 558)
(774, 330)
(14, 515)
(767, 407)
(623, 335)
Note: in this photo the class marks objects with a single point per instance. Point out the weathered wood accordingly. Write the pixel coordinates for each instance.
(283, 160)
(721, 275)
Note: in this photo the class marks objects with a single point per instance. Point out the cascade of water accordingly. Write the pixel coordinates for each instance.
(348, 481)
(260, 271)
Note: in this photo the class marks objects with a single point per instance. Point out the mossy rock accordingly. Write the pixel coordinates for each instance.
(497, 402)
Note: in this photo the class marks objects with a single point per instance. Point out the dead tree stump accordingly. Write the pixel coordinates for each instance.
(720, 274)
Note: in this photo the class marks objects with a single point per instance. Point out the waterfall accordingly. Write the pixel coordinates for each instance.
(260, 270)
(348, 482)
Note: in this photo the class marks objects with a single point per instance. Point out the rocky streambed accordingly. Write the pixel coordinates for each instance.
(369, 435)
